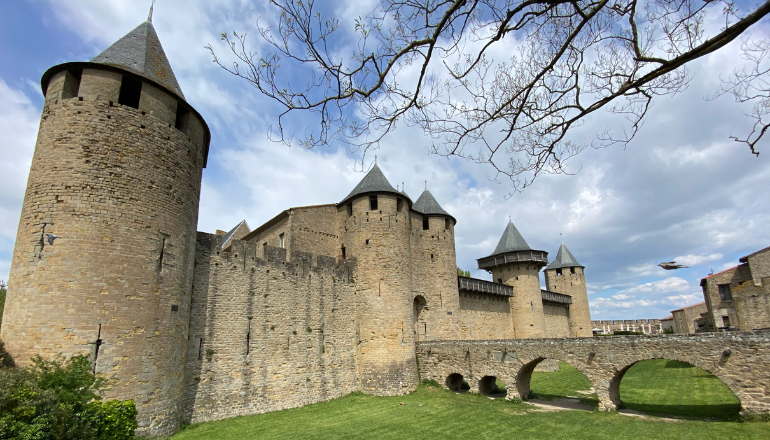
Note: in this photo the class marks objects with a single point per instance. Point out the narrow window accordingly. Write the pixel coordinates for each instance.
(372, 203)
(500, 280)
(724, 292)
(350, 209)
(343, 253)
(446, 224)
(558, 272)
(200, 349)
(399, 202)
(726, 321)
(71, 84)
(425, 223)
(130, 92)
(182, 118)
(572, 270)
(282, 237)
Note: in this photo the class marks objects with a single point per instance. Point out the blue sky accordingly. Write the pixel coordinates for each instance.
(682, 190)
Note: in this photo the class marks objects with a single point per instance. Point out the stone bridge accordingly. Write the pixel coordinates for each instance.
(740, 359)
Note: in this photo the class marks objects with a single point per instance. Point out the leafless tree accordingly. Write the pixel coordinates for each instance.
(501, 82)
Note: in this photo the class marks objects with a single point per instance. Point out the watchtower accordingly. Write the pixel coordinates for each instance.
(565, 275)
(375, 227)
(116, 175)
(434, 256)
(516, 264)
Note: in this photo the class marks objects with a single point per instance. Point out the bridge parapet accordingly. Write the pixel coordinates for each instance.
(740, 359)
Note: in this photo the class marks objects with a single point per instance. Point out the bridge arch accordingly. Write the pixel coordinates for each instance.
(524, 375)
(614, 383)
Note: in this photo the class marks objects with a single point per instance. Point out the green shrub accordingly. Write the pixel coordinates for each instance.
(430, 383)
(515, 400)
(58, 400)
(6, 361)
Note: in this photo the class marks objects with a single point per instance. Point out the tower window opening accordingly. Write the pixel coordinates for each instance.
(372, 203)
(399, 202)
(446, 224)
(130, 92)
(572, 270)
(282, 238)
(724, 292)
(500, 280)
(344, 255)
(71, 84)
(425, 223)
(349, 208)
(558, 272)
(182, 118)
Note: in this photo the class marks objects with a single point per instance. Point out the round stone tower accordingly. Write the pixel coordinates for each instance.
(436, 282)
(375, 229)
(516, 264)
(565, 275)
(104, 253)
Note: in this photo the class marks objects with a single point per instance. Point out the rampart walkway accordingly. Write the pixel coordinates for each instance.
(740, 359)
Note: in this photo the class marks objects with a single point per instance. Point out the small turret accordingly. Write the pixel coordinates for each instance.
(516, 264)
(438, 263)
(565, 275)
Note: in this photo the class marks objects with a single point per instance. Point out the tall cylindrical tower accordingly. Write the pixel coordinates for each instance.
(516, 264)
(434, 266)
(116, 176)
(565, 275)
(374, 219)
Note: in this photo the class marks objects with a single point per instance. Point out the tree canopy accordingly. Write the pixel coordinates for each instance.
(501, 82)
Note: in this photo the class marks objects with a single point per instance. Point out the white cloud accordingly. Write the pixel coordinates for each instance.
(695, 260)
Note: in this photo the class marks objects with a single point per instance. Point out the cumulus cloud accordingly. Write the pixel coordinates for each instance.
(695, 260)
(18, 123)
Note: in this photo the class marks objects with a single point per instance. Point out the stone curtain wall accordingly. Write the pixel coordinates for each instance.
(121, 187)
(556, 318)
(740, 359)
(267, 335)
(484, 316)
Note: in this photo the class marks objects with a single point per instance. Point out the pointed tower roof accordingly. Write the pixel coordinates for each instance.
(427, 204)
(373, 182)
(564, 259)
(511, 241)
(512, 248)
(140, 52)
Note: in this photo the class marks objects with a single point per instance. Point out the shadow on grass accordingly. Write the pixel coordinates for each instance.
(728, 411)
(590, 400)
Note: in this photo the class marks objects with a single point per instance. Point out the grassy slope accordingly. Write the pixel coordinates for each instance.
(445, 415)
(564, 383)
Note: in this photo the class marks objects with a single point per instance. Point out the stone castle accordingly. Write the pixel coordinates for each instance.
(318, 302)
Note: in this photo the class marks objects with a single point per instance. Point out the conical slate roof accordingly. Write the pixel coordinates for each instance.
(140, 52)
(564, 259)
(511, 241)
(427, 204)
(373, 182)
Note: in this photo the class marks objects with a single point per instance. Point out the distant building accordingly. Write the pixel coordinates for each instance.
(667, 324)
(739, 298)
(686, 319)
(608, 326)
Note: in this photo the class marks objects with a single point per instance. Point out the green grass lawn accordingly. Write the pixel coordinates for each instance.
(567, 382)
(677, 388)
(433, 413)
(657, 386)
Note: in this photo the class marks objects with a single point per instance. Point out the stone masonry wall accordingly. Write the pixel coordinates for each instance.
(314, 230)
(740, 359)
(717, 307)
(266, 335)
(484, 316)
(572, 282)
(527, 303)
(121, 188)
(557, 320)
(272, 237)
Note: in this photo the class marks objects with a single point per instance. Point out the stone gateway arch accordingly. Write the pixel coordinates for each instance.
(739, 359)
